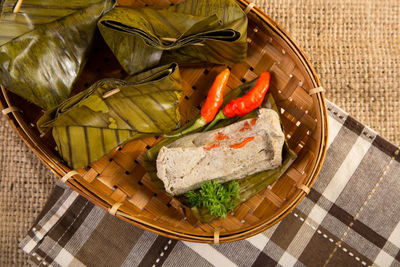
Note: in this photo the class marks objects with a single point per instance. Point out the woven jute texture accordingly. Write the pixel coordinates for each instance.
(25, 184)
(353, 44)
(354, 47)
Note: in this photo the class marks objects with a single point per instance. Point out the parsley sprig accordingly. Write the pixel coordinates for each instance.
(216, 197)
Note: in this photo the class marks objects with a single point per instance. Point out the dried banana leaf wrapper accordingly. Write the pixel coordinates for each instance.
(112, 112)
(250, 185)
(33, 13)
(43, 64)
(191, 32)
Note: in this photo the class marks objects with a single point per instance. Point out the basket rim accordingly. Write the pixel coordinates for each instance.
(59, 169)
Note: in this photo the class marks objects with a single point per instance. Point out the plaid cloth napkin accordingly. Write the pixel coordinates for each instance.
(350, 218)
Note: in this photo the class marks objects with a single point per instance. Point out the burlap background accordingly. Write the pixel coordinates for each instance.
(353, 44)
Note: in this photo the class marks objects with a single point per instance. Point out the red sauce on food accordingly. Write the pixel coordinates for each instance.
(221, 136)
(245, 127)
(243, 143)
(253, 121)
(212, 146)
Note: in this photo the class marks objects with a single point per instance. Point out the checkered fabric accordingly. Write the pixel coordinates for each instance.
(350, 218)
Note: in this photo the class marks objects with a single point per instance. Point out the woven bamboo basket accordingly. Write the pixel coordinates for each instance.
(120, 185)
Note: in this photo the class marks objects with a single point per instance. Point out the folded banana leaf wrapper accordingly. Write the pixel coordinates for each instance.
(112, 112)
(33, 13)
(44, 46)
(191, 32)
(250, 185)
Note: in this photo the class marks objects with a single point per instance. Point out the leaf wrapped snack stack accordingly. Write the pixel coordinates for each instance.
(193, 31)
(112, 111)
(53, 54)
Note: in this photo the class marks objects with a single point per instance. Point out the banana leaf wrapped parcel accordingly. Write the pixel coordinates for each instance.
(111, 112)
(43, 63)
(33, 13)
(249, 185)
(193, 31)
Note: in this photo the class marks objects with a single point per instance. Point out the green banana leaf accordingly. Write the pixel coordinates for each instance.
(34, 13)
(250, 185)
(193, 31)
(111, 112)
(42, 64)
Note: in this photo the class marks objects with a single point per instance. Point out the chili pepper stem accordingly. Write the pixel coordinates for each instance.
(200, 122)
(218, 117)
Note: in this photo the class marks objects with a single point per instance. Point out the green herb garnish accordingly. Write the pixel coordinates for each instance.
(216, 197)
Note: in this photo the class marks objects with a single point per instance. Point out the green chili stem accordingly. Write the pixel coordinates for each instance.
(200, 122)
(220, 116)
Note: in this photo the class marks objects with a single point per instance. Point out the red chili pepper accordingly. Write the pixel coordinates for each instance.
(215, 96)
(243, 105)
(252, 100)
(211, 106)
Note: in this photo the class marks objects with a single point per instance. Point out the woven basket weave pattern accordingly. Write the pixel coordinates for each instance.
(120, 184)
